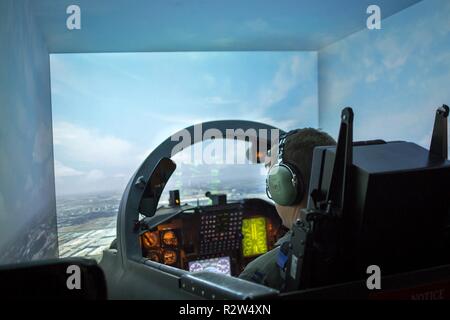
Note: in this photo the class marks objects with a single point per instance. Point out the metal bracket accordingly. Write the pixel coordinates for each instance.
(342, 162)
(315, 236)
(439, 140)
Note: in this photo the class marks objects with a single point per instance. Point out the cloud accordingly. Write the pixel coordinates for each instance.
(83, 145)
(89, 161)
(285, 79)
(64, 77)
(95, 175)
(64, 171)
(394, 53)
(217, 100)
(335, 90)
(371, 78)
(282, 124)
(394, 125)
(293, 88)
(120, 175)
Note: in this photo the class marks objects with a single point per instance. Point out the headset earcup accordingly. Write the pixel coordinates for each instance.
(280, 186)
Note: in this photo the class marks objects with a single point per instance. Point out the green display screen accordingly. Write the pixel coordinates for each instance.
(255, 236)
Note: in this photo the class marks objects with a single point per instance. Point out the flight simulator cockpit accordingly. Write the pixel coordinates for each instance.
(222, 237)
(369, 203)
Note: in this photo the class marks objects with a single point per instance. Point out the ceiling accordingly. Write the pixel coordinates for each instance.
(204, 25)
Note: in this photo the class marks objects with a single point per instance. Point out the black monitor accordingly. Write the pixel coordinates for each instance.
(396, 211)
(373, 203)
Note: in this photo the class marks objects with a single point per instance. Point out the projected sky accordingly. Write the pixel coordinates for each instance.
(111, 110)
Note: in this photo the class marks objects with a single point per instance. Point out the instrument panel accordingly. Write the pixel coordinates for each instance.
(219, 238)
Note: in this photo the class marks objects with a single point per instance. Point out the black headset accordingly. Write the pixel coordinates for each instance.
(284, 182)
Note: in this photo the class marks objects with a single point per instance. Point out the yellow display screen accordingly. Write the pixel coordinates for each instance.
(255, 236)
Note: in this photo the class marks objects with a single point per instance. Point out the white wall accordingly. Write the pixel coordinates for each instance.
(27, 197)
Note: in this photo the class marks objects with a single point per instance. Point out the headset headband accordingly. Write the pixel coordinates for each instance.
(282, 142)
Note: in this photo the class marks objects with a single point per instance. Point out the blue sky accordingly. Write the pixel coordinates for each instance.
(111, 110)
(394, 78)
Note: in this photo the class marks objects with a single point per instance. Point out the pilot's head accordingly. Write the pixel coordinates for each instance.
(296, 152)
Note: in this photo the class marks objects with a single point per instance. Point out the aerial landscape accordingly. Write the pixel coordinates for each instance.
(87, 222)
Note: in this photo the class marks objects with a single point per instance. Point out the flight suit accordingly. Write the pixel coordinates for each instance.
(267, 268)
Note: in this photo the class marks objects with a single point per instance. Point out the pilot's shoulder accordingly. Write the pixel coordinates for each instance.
(285, 238)
(264, 264)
